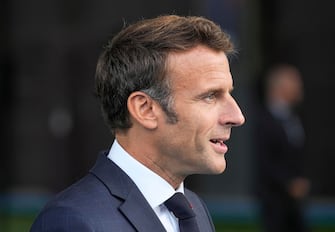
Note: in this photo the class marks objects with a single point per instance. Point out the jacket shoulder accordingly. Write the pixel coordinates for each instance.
(80, 207)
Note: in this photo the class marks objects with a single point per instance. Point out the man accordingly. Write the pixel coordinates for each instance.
(165, 89)
(280, 138)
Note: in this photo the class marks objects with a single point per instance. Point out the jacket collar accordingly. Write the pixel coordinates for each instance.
(134, 206)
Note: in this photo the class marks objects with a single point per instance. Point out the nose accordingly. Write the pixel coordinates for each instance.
(232, 114)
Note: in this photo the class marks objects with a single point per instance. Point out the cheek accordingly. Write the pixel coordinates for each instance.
(197, 114)
(195, 122)
(197, 135)
(204, 120)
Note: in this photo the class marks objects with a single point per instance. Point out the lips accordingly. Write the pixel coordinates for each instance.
(218, 145)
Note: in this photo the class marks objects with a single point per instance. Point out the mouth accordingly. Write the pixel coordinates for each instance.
(217, 141)
(219, 145)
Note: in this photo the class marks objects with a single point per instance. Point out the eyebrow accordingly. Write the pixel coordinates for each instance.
(217, 89)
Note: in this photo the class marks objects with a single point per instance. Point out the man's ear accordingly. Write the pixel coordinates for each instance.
(143, 109)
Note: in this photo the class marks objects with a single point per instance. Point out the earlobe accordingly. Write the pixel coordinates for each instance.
(142, 109)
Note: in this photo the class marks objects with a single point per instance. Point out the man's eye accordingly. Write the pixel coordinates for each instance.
(210, 96)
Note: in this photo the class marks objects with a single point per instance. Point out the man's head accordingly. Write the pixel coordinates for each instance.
(136, 60)
(284, 85)
(165, 86)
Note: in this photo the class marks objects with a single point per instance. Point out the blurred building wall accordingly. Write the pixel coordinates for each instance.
(302, 33)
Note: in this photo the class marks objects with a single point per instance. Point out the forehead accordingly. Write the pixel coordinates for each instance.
(200, 65)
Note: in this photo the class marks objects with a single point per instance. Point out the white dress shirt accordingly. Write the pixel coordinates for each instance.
(154, 188)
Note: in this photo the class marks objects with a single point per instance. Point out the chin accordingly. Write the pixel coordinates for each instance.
(217, 169)
(221, 170)
(219, 166)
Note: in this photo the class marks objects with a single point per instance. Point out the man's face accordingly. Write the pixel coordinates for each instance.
(292, 89)
(206, 111)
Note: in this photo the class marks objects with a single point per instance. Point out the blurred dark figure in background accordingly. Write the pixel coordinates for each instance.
(280, 140)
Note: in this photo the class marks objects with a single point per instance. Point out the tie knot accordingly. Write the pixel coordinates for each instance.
(179, 206)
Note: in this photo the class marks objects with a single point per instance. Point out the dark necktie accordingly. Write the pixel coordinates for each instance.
(182, 209)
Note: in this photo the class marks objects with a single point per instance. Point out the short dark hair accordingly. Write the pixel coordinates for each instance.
(136, 60)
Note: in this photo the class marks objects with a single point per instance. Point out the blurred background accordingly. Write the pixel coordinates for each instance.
(52, 129)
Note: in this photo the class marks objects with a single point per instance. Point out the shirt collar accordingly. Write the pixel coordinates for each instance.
(154, 188)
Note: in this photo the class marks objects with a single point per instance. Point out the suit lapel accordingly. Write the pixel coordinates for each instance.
(139, 212)
(135, 207)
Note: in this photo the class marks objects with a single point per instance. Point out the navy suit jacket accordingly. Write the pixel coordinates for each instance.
(106, 199)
